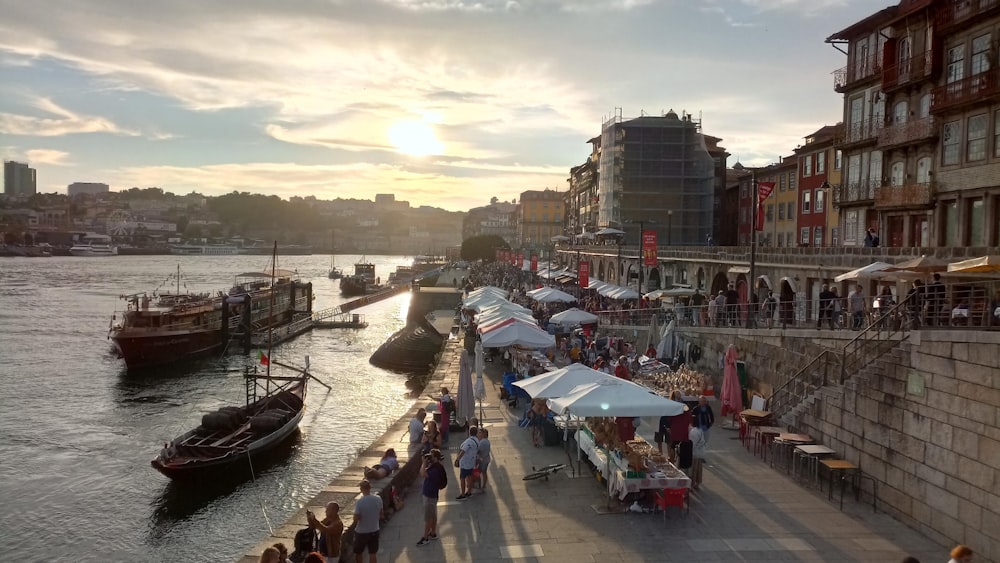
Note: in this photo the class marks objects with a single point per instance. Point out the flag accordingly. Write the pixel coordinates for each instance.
(264, 360)
(764, 190)
(649, 248)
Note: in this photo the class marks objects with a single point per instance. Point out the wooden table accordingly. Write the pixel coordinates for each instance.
(843, 467)
(784, 443)
(763, 436)
(750, 418)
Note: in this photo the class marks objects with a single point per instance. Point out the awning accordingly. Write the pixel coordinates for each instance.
(765, 281)
(739, 269)
(791, 283)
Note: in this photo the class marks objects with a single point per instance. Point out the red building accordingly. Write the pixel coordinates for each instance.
(816, 163)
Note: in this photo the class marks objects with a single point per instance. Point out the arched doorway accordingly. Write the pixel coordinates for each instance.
(600, 271)
(719, 283)
(786, 308)
(744, 293)
(653, 282)
(700, 279)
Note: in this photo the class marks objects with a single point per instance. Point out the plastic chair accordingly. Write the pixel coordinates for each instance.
(672, 497)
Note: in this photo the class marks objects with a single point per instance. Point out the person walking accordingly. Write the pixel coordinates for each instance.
(368, 514)
(856, 306)
(485, 458)
(960, 554)
(703, 416)
(466, 463)
(435, 481)
(331, 530)
(699, 441)
(825, 307)
(767, 309)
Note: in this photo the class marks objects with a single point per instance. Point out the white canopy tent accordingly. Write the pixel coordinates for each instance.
(573, 316)
(863, 272)
(557, 383)
(616, 397)
(672, 292)
(551, 295)
(516, 333)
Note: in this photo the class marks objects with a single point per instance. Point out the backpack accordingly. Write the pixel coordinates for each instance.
(443, 484)
(305, 541)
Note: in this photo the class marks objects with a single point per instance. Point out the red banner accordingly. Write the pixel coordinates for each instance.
(520, 260)
(499, 254)
(534, 262)
(583, 274)
(649, 248)
(764, 190)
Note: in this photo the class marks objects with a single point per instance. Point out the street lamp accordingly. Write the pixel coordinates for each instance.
(670, 221)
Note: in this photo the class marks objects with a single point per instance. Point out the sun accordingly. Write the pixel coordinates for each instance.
(414, 138)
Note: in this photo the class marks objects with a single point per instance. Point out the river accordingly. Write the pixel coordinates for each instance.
(77, 432)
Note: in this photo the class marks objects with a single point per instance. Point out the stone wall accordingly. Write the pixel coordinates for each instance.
(923, 420)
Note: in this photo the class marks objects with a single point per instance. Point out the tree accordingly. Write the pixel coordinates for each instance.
(483, 247)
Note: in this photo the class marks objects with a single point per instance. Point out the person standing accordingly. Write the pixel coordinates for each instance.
(935, 302)
(416, 431)
(825, 307)
(856, 306)
(699, 441)
(331, 530)
(703, 416)
(485, 457)
(466, 463)
(732, 306)
(768, 307)
(435, 480)
(367, 517)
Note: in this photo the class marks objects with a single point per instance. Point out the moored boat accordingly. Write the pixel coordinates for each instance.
(170, 327)
(362, 282)
(94, 245)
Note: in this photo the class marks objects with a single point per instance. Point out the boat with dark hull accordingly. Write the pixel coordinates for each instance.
(234, 436)
(362, 282)
(171, 327)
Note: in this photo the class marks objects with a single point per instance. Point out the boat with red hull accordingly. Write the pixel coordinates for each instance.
(166, 328)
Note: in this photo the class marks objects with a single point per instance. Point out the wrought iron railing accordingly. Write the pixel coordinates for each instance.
(967, 90)
(955, 12)
(857, 71)
(905, 195)
(907, 71)
(864, 130)
(906, 133)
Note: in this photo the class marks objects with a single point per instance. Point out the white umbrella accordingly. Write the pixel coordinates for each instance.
(672, 292)
(488, 289)
(615, 398)
(466, 407)
(609, 231)
(559, 238)
(486, 324)
(557, 383)
(573, 316)
(623, 293)
(480, 388)
(516, 333)
(553, 296)
(863, 272)
(536, 291)
(982, 265)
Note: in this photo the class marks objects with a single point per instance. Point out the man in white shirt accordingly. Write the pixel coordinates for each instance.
(698, 445)
(416, 431)
(467, 462)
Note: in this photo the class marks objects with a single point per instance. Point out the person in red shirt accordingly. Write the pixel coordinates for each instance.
(621, 370)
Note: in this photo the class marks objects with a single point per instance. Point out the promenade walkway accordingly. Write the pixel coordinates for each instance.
(745, 511)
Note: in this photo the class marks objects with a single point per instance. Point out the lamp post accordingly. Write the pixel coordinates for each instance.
(642, 260)
(752, 296)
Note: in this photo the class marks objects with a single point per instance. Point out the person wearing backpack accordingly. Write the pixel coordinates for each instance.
(435, 480)
(331, 531)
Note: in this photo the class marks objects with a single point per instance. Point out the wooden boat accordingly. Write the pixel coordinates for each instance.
(169, 327)
(233, 436)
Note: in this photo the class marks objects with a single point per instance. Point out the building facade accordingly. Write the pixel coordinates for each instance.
(817, 223)
(780, 209)
(581, 201)
(540, 217)
(498, 218)
(656, 173)
(91, 188)
(18, 179)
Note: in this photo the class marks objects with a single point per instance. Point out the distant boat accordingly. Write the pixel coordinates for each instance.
(335, 272)
(362, 282)
(204, 249)
(94, 245)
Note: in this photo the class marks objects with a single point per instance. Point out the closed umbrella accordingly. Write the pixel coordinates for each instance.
(480, 388)
(732, 393)
(465, 408)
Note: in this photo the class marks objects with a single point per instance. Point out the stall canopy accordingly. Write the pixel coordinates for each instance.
(862, 273)
(559, 238)
(923, 264)
(573, 316)
(516, 333)
(615, 398)
(672, 292)
(981, 265)
(621, 293)
(484, 323)
(557, 383)
(551, 295)
(609, 231)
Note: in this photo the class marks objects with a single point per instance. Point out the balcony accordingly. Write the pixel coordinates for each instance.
(907, 71)
(956, 12)
(858, 71)
(975, 89)
(908, 133)
(864, 131)
(855, 193)
(905, 196)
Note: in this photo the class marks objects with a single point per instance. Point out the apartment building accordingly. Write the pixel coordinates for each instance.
(780, 209)
(818, 174)
(539, 217)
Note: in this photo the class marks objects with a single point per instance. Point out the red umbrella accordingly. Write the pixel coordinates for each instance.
(732, 394)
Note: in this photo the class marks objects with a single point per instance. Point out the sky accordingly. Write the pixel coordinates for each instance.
(446, 103)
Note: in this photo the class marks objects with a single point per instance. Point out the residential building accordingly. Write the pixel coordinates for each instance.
(18, 179)
(498, 218)
(723, 218)
(581, 200)
(781, 208)
(656, 173)
(540, 217)
(92, 188)
(816, 225)
(742, 180)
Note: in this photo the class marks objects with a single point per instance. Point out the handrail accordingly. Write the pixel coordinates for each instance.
(775, 403)
(886, 321)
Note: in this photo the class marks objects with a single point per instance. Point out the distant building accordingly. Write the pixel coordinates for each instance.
(781, 209)
(90, 188)
(540, 217)
(18, 179)
(497, 218)
(581, 201)
(819, 172)
(657, 171)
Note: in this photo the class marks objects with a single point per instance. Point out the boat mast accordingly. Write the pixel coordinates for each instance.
(270, 314)
(178, 278)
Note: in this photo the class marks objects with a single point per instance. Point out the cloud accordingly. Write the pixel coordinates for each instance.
(61, 121)
(48, 156)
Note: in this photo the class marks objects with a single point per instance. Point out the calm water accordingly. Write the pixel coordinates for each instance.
(77, 433)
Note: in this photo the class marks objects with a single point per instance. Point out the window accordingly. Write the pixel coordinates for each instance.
(804, 235)
(950, 144)
(897, 173)
(925, 106)
(791, 182)
(791, 210)
(781, 239)
(781, 211)
(924, 170)
(807, 165)
(996, 133)
(976, 148)
(821, 162)
(743, 189)
(951, 224)
(980, 54)
(900, 112)
(770, 212)
(977, 231)
(781, 178)
(851, 227)
(956, 64)
(806, 204)
(820, 197)
(838, 156)
(817, 236)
